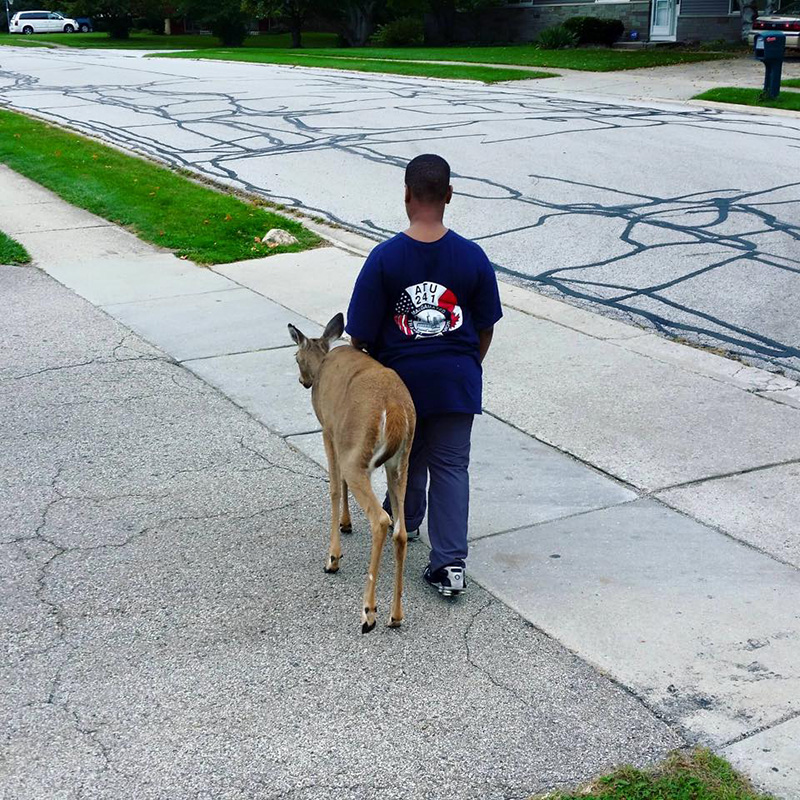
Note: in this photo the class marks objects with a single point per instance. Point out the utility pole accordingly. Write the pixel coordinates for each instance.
(8, 15)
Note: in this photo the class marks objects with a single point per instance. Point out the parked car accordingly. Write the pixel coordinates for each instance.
(41, 22)
(85, 24)
(786, 21)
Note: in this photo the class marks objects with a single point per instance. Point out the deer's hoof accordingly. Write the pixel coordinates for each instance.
(332, 564)
(348, 528)
(395, 622)
(366, 627)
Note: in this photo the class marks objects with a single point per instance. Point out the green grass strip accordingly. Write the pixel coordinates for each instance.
(593, 59)
(699, 775)
(791, 83)
(308, 59)
(750, 97)
(155, 203)
(11, 251)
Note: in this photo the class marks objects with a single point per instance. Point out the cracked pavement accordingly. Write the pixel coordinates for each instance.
(167, 630)
(676, 218)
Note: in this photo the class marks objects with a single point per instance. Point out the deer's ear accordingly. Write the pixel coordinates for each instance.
(334, 329)
(298, 337)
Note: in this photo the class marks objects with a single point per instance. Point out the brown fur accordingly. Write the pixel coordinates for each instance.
(368, 420)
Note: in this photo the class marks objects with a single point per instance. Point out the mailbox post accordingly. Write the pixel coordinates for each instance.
(770, 47)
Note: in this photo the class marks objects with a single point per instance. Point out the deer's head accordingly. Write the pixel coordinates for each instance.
(311, 352)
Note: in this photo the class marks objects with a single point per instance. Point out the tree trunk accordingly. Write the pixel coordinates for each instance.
(167, 26)
(359, 21)
(296, 30)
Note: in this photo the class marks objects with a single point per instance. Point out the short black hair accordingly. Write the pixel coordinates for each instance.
(428, 178)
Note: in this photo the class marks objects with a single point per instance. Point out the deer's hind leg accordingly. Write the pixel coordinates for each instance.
(345, 523)
(336, 483)
(359, 483)
(396, 478)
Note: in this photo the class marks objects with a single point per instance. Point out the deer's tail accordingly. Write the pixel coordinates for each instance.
(395, 431)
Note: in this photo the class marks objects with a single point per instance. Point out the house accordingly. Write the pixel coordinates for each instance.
(644, 20)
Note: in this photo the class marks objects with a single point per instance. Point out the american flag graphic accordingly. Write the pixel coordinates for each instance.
(404, 307)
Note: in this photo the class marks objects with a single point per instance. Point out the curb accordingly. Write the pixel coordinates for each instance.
(761, 111)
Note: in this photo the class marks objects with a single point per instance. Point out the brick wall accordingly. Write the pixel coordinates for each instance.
(709, 29)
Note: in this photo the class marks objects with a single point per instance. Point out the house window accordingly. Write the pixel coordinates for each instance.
(735, 7)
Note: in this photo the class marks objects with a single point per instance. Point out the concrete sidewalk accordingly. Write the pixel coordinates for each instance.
(591, 440)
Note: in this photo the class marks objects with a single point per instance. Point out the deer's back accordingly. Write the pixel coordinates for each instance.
(353, 391)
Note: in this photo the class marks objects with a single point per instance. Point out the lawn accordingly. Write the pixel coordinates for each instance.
(750, 97)
(791, 83)
(150, 41)
(155, 203)
(317, 45)
(12, 252)
(294, 58)
(594, 59)
(699, 775)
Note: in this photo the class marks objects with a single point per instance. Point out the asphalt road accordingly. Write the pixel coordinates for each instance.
(673, 217)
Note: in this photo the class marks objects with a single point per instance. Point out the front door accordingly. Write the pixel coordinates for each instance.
(664, 22)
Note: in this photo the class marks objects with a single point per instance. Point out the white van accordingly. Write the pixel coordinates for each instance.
(41, 22)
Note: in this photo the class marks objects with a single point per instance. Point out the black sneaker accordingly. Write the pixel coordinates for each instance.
(449, 581)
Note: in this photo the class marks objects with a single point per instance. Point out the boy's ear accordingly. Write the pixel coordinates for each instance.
(298, 337)
(334, 329)
(449, 196)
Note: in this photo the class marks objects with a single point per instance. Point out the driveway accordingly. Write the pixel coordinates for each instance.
(676, 217)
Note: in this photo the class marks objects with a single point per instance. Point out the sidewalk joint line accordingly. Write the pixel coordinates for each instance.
(792, 715)
(541, 522)
(108, 306)
(236, 353)
(723, 475)
(261, 294)
(599, 470)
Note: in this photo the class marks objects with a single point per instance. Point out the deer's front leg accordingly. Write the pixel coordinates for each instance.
(335, 549)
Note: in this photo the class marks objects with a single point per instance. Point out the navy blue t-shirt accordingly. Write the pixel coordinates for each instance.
(419, 307)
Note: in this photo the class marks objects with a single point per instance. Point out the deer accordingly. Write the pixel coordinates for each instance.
(368, 421)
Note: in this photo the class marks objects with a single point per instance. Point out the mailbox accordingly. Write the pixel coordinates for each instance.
(769, 47)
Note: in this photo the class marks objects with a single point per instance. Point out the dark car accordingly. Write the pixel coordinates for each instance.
(85, 24)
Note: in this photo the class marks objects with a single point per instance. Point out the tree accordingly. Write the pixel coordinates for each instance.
(293, 12)
(358, 20)
(117, 16)
(226, 19)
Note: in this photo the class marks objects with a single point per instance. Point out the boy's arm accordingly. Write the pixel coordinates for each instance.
(485, 341)
(367, 305)
(486, 308)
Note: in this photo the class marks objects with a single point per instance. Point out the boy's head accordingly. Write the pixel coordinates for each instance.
(427, 184)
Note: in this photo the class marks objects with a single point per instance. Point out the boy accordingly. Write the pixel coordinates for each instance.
(425, 304)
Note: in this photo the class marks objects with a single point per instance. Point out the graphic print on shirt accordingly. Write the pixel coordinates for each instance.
(427, 309)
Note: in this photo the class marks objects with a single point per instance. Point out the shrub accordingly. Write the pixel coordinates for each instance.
(556, 38)
(595, 30)
(402, 32)
(231, 29)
